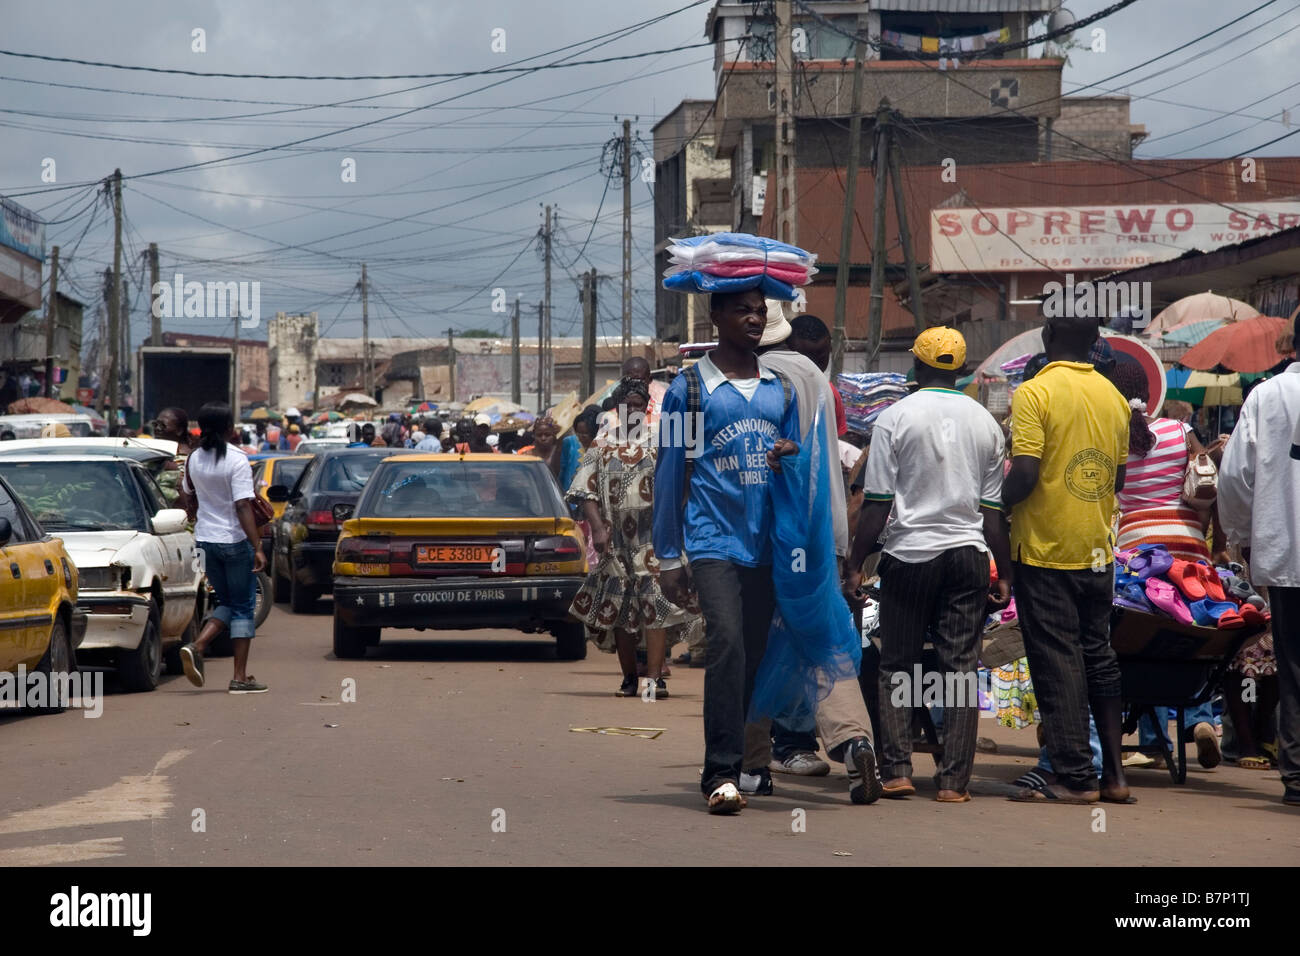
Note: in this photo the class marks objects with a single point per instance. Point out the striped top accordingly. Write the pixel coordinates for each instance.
(1156, 481)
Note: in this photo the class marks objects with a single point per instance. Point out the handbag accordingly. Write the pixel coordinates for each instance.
(262, 510)
(1201, 482)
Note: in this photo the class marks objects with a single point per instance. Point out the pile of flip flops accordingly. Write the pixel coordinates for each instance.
(737, 262)
(1149, 578)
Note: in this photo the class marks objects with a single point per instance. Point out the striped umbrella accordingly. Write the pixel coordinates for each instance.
(1192, 332)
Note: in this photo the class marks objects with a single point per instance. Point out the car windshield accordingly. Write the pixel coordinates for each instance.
(346, 472)
(288, 471)
(463, 489)
(78, 495)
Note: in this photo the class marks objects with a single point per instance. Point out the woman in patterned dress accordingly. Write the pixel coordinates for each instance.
(621, 600)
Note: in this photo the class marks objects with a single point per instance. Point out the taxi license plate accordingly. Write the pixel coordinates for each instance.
(454, 554)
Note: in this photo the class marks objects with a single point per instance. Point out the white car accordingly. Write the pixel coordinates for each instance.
(140, 582)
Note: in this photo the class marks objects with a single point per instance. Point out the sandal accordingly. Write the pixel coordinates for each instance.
(1051, 794)
(899, 791)
(1183, 575)
(727, 799)
(1163, 596)
(1254, 763)
(963, 797)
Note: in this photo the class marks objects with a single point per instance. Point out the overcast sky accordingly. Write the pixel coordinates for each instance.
(466, 175)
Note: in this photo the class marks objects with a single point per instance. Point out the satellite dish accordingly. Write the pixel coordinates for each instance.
(1061, 19)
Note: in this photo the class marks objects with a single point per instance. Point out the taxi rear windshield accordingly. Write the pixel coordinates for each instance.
(461, 489)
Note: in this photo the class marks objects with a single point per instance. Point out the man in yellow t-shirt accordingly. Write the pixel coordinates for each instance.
(1069, 428)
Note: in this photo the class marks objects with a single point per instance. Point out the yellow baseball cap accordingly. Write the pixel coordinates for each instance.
(941, 347)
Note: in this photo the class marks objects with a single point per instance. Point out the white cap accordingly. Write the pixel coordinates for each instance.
(293, 413)
(493, 439)
(778, 327)
(482, 419)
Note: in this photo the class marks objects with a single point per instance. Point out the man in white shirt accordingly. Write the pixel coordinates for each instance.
(936, 463)
(1259, 507)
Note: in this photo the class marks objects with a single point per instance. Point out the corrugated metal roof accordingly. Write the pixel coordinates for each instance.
(967, 6)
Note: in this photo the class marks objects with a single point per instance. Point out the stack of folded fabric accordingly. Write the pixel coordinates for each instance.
(867, 394)
(737, 262)
(1150, 579)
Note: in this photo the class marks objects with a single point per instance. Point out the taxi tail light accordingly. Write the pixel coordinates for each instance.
(322, 520)
(558, 548)
(362, 551)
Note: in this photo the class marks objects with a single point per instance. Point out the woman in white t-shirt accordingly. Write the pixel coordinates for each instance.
(226, 532)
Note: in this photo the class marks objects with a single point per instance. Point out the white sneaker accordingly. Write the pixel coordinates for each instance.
(801, 765)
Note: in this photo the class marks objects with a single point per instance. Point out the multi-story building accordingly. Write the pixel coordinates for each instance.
(969, 107)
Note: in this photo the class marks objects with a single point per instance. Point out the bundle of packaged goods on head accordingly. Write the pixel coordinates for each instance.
(738, 262)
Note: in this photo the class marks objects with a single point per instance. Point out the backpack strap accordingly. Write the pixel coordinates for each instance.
(694, 408)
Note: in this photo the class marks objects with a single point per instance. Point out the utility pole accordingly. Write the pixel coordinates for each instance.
(850, 196)
(125, 354)
(51, 319)
(905, 235)
(103, 345)
(516, 385)
(881, 171)
(786, 205)
(541, 356)
(367, 373)
(587, 384)
(627, 245)
(155, 321)
(115, 303)
(544, 352)
(234, 371)
(451, 362)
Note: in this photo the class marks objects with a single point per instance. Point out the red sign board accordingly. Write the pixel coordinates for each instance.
(85, 396)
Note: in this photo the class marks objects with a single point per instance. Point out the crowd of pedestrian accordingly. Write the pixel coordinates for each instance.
(954, 517)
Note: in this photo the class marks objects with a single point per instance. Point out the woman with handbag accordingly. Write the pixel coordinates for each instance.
(219, 478)
(1168, 490)
(1164, 458)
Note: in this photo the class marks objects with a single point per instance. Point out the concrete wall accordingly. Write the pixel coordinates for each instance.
(1100, 124)
(291, 343)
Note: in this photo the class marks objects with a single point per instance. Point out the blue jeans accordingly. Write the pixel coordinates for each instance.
(229, 568)
(1203, 713)
(1094, 743)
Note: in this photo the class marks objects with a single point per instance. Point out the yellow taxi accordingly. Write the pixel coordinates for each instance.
(40, 624)
(440, 541)
(275, 470)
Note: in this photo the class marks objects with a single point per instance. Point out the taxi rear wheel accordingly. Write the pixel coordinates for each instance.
(58, 660)
(570, 641)
(141, 668)
(302, 599)
(351, 642)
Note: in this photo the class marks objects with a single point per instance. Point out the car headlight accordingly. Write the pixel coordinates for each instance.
(103, 579)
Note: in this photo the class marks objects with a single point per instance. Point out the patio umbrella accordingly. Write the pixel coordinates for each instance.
(38, 405)
(260, 415)
(1192, 332)
(1246, 346)
(1196, 308)
(356, 399)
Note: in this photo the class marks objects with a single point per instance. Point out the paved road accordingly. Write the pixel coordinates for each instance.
(450, 735)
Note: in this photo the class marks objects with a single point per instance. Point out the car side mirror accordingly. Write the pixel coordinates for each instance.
(170, 521)
(342, 512)
(277, 493)
(6, 531)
